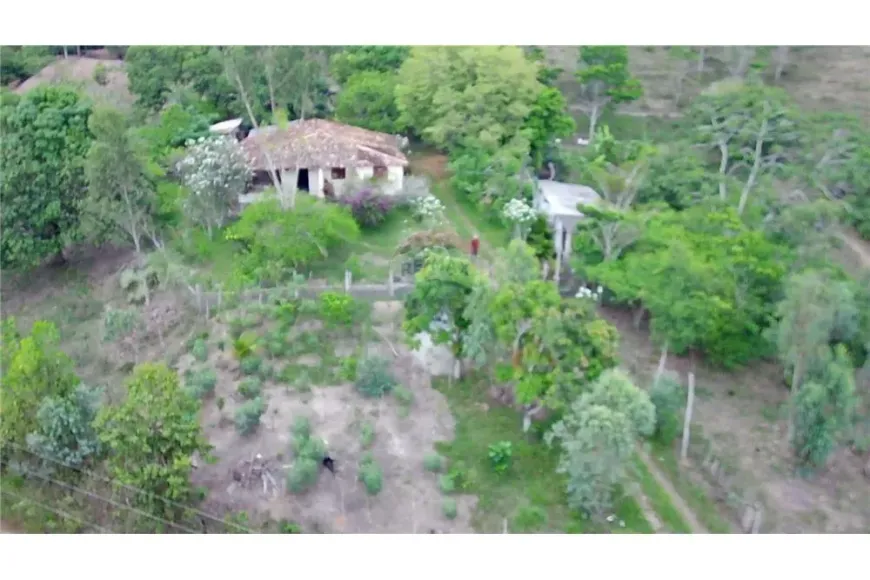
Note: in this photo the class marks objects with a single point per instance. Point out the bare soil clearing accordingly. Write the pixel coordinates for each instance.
(79, 71)
(739, 415)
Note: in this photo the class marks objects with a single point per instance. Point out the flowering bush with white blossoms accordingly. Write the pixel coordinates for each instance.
(428, 209)
(521, 215)
(590, 294)
(215, 170)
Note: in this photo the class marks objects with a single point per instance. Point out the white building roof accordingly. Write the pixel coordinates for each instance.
(559, 199)
(225, 127)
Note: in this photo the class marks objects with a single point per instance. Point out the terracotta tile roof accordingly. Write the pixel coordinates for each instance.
(322, 143)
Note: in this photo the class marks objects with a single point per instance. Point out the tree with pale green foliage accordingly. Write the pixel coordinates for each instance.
(605, 80)
(34, 369)
(825, 407)
(66, 436)
(548, 120)
(151, 438)
(121, 201)
(452, 94)
(352, 60)
(597, 437)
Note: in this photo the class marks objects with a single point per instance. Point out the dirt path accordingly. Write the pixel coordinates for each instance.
(679, 503)
(861, 248)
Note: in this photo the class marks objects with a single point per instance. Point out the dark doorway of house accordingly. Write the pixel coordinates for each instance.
(302, 180)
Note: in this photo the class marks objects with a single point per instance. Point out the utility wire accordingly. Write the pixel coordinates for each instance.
(131, 488)
(56, 511)
(99, 497)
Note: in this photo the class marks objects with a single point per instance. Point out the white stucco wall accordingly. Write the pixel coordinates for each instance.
(391, 184)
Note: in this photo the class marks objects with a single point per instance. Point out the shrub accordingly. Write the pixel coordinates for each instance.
(337, 309)
(220, 403)
(368, 207)
(250, 365)
(200, 350)
(201, 383)
(373, 377)
(347, 371)
(248, 415)
(101, 74)
(303, 474)
(288, 527)
(244, 345)
(404, 397)
(500, 455)
(370, 474)
(276, 348)
(366, 435)
(529, 519)
(448, 508)
(667, 397)
(463, 478)
(447, 484)
(250, 388)
(65, 431)
(301, 427)
(434, 463)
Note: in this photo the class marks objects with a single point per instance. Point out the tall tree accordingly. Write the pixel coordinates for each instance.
(450, 94)
(45, 141)
(120, 201)
(353, 60)
(34, 368)
(368, 99)
(438, 304)
(151, 438)
(597, 436)
(547, 120)
(605, 80)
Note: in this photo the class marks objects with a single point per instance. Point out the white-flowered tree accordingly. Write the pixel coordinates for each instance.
(521, 216)
(215, 171)
(428, 210)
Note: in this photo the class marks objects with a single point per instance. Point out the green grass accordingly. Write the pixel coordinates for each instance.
(467, 219)
(532, 478)
(704, 508)
(660, 500)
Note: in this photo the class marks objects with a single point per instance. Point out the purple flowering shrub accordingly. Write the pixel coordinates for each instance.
(369, 208)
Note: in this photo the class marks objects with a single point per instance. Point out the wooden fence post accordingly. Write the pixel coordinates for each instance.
(390, 286)
(687, 421)
(348, 278)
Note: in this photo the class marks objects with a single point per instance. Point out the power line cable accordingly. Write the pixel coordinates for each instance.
(131, 488)
(99, 497)
(56, 511)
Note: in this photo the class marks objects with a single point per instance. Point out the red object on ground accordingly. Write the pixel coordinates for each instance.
(475, 245)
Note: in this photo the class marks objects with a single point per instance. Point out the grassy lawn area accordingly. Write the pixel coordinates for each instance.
(660, 500)
(702, 505)
(530, 495)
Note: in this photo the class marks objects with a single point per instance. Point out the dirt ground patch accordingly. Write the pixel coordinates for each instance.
(80, 71)
(740, 415)
(410, 501)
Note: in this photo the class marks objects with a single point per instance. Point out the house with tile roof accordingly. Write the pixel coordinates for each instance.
(325, 157)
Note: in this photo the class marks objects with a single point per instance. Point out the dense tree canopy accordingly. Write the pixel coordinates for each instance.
(45, 140)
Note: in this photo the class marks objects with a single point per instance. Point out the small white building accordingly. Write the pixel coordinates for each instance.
(559, 202)
(325, 157)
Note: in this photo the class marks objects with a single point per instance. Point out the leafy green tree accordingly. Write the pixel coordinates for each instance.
(439, 301)
(171, 130)
(352, 60)
(151, 438)
(156, 71)
(22, 62)
(66, 434)
(120, 199)
(547, 120)
(450, 94)
(597, 436)
(368, 99)
(34, 368)
(45, 141)
(216, 171)
(276, 241)
(547, 75)
(605, 80)
(824, 408)
(677, 176)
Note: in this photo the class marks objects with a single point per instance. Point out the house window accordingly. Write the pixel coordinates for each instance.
(380, 171)
(338, 172)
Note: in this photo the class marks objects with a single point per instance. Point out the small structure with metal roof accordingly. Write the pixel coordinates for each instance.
(560, 202)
